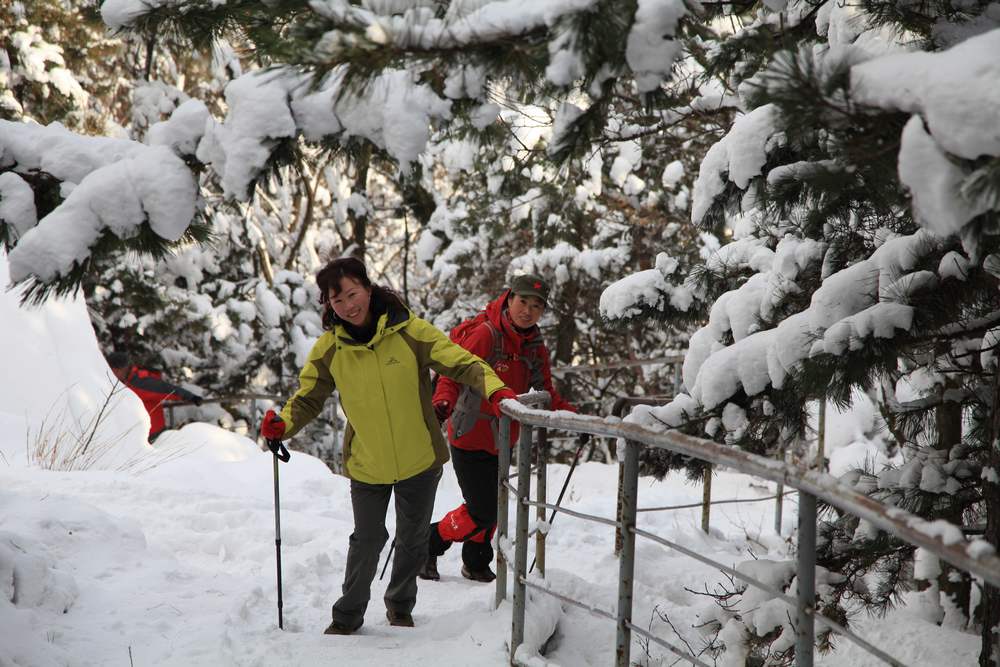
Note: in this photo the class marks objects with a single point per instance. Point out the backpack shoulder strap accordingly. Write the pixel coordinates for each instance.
(496, 353)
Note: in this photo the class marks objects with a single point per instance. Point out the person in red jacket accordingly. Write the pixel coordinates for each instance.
(509, 340)
(151, 389)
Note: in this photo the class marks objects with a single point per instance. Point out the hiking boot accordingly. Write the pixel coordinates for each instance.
(336, 628)
(399, 618)
(430, 569)
(478, 575)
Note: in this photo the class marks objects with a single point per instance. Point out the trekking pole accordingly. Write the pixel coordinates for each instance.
(278, 449)
(576, 458)
(388, 557)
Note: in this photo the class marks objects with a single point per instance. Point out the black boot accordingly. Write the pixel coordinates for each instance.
(399, 618)
(430, 569)
(336, 628)
(478, 575)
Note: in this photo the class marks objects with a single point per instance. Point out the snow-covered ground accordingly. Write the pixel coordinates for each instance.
(176, 565)
(165, 555)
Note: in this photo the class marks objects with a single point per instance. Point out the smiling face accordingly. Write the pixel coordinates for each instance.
(351, 301)
(525, 311)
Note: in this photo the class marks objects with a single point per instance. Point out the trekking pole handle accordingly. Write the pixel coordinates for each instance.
(277, 448)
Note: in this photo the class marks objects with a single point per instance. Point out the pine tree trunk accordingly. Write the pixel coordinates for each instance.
(566, 332)
(359, 221)
(989, 653)
(566, 327)
(948, 419)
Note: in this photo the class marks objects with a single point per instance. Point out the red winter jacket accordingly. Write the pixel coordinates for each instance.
(153, 391)
(523, 365)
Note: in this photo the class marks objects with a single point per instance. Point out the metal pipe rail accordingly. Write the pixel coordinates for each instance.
(170, 406)
(811, 485)
(727, 501)
(899, 522)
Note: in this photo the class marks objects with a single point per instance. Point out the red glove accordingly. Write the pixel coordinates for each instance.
(272, 428)
(499, 395)
(442, 410)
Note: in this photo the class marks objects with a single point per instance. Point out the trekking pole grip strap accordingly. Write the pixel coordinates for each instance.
(277, 448)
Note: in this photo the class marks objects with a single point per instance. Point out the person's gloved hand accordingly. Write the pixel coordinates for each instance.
(442, 410)
(272, 427)
(499, 395)
(583, 438)
(196, 399)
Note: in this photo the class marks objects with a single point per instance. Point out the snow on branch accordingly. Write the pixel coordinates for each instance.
(863, 301)
(113, 185)
(957, 92)
(563, 258)
(418, 29)
(737, 157)
(394, 112)
(953, 96)
(650, 49)
(17, 203)
(651, 289)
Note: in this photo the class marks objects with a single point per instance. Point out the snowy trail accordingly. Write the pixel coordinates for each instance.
(178, 565)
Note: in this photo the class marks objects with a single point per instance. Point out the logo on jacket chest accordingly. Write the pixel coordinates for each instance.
(502, 366)
(393, 361)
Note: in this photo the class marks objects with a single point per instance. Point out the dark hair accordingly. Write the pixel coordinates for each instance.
(117, 360)
(329, 277)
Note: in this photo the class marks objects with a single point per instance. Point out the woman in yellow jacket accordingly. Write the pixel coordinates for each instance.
(378, 355)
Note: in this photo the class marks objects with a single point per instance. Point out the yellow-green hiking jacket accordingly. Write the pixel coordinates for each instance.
(385, 391)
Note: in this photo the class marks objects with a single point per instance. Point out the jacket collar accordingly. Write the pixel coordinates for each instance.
(390, 321)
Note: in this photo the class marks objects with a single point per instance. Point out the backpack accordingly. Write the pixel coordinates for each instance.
(466, 410)
(461, 331)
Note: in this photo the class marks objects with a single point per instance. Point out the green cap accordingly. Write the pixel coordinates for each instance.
(529, 285)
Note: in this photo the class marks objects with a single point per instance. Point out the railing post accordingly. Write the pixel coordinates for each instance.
(503, 496)
(253, 420)
(619, 540)
(778, 507)
(804, 631)
(521, 539)
(541, 493)
(821, 437)
(779, 501)
(627, 503)
(706, 497)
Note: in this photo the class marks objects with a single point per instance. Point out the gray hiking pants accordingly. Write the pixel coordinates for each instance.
(414, 505)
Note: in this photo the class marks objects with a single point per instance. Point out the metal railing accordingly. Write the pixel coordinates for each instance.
(811, 485)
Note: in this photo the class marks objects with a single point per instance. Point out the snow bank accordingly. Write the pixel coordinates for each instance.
(206, 456)
(56, 380)
(66, 561)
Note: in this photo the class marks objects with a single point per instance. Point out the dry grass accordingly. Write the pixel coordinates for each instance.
(65, 443)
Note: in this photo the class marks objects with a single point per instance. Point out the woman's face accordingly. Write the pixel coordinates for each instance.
(525, 311)
(351, 301)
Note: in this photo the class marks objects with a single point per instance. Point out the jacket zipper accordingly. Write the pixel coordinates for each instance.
(388, 420)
